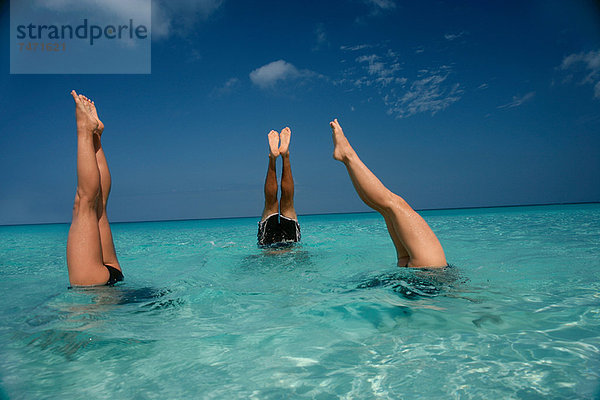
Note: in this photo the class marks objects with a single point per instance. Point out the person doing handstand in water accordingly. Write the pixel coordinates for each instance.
(416, 244)
(91, 257)
(279, 222)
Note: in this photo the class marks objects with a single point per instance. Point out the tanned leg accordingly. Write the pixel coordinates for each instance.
(84, 248)
(416, 244)
(271, 203)
(287, 181)
(109, 254)
(401, 252)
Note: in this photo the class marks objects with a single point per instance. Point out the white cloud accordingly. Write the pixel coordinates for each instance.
(483, 86)
(269, 75)
(518, 100)
(428, 94)
(383, 73)
(168, 16)
(376, 8)
(453, 36)
(355, 48)
(180, 17)
(429, 91)
(590, 62)
(590, 59)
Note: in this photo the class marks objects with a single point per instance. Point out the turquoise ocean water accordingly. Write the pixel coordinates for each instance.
(204, 313)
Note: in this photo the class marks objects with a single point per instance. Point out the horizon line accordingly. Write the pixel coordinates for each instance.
(330, 213)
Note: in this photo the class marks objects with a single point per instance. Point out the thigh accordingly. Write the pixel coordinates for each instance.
(109, 255)
(288, 211)
(269, 210)
(401, 252)
(415, 234)
(84, 250)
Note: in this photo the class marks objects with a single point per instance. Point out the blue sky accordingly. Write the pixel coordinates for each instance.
(450, 103)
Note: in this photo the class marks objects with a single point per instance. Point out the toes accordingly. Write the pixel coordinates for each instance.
(75, 96)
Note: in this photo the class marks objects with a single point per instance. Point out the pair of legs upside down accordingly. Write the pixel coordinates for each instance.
(279, 222)
(91, 256)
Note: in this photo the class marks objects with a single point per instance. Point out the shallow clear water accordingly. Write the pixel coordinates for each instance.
(204, 313)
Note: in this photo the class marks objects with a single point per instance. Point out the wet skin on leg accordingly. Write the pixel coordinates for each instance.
(416, 244)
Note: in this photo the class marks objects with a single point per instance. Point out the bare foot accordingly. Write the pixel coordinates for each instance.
(342, 149)
(92, 109)
(86, 122)
(274, 144)
(286, 135)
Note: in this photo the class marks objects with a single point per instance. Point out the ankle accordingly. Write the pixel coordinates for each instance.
(85, 132)
(348, 157)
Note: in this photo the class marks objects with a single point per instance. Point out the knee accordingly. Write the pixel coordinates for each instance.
(393, 203)
(287, 186)
(84, 201)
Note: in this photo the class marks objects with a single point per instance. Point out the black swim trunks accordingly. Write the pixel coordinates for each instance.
(277, 229)
(114, 275)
